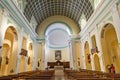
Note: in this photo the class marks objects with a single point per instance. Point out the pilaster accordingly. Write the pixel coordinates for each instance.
(116, 21)
(90, 47)
(71, 55)
(19, 50)
(35, 53)
(98, 43)
(44, 60)
(83, 65)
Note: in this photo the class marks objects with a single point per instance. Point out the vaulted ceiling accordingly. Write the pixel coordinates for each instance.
(42, 9)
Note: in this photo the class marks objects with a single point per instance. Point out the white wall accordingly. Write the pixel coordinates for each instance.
(50, 54)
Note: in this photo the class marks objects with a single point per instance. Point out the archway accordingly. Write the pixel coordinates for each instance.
(57, 44)
(87, 56)
(97, 62)
(110, 47)
(23, 54)
(30, 57)
(9, 51)
(4, 63)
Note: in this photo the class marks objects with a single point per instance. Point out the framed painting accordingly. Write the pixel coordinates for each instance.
(58, 55)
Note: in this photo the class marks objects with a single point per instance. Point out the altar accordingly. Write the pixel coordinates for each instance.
(59, 64)
(58, 67)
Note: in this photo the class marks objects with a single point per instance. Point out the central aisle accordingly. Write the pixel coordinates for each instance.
(59, 75)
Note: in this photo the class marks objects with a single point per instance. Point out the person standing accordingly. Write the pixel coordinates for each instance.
(109, 68)
(112, 68)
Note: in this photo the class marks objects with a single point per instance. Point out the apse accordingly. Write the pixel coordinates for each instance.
(57, 35)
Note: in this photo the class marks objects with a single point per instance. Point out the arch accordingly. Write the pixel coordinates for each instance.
(58, 28)
(59, 19)
(4, 29)
(97, 63)
(102, 26)
(6, 41)
(87, 56)
(110, 46)
(8, 65)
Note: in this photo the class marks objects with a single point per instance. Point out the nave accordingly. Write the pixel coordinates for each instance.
(36, 36)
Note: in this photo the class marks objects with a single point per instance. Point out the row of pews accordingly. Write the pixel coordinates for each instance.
(31, 75)
(84, 74)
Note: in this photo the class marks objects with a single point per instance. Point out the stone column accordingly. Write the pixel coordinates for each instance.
(44, 61)
(71, 56)
(83, 65)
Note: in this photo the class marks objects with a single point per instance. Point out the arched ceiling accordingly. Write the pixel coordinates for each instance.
(42, 9)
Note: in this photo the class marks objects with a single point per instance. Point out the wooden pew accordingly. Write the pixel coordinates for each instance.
(31, 75)
(90, 75)
(43, 75)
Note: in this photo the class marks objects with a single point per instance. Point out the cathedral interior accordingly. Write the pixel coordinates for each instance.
(60, 39)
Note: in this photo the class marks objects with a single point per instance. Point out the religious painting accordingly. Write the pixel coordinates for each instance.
(58, 55)
(24, 52)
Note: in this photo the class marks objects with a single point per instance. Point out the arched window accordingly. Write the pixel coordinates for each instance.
(57, 35)
(82, 21)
